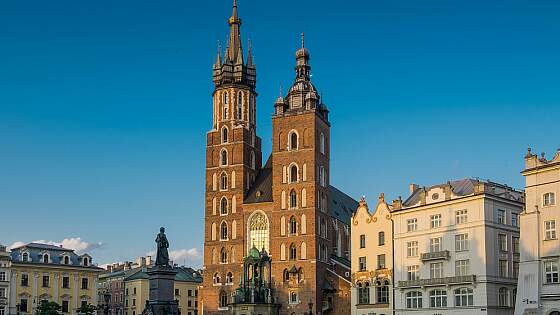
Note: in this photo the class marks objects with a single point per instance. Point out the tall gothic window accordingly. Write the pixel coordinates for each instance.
(293, 173)
(322, 143)
(258, 231)
(223, 158)
(224, 206)
(293, 199)
(293, 225)
(223, 181)
(293, 141)
(223, 256)
(293, 252)
(223, 299)
(240, 105)
(252, 160)
(223, 231)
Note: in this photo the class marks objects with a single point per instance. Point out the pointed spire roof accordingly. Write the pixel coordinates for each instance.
(234, 51)
(219, 56)
(249, 55)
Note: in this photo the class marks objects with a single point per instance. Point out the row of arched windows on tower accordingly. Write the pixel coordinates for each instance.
(225, 256)
(224, 158)
(293, 227)
(224, 231)
(292, 202)
(294, 143)
(292, 253)
(239, 105)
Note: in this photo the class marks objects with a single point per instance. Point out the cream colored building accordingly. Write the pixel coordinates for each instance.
(46, 272)
(137, 289)
(457, 248)
(5, 271)
(372, 259)
(539, 278)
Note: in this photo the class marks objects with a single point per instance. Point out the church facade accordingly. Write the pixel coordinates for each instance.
(284, 206)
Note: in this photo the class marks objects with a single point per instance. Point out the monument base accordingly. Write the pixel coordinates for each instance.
(248, 308)
(162, 292)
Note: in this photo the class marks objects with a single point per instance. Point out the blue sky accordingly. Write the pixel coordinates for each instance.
(104, 105)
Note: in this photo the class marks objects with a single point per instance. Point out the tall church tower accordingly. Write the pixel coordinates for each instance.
(300, 163)
(233, 157)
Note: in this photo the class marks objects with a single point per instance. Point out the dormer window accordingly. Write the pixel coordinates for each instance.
(86, 262)
(66, 260)
(25, 257)
(46, 258)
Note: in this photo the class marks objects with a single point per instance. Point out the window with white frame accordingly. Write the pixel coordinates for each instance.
(501, 216)
(2, 292)
(435, 221)
(464, 297)
(438, 298)
(461, 242)
(436, 270)
(223, 182)
(412, 249)
(462, 267)
(502, 242)
(381, 261)
(363, 293)
(435, 245)
(294, 297)
(461, 216)
(411, 225)
(412, 272)
(362, 263)
(503, 268)
(549, 199)
(223, 158)
(414, 299)
(224, 134)
(2, 276)
(551, 271)
(550, 230)
(293, 137)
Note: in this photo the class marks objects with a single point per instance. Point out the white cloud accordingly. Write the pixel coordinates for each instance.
(75, 243)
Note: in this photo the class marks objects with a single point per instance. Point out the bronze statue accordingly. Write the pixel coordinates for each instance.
(162, 256)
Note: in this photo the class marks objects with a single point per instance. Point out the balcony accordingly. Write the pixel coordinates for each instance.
(442, 254)
(437, 281)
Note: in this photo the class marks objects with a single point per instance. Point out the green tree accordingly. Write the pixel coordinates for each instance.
(87, 309)
(49, 308)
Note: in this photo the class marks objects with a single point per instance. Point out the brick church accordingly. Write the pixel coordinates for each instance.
(286, 208)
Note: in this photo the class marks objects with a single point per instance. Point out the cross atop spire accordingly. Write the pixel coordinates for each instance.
(233, 51)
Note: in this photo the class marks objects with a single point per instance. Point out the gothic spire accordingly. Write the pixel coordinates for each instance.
(218, 63)
(234, 51)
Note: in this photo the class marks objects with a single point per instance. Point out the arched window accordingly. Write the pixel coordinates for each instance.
(214, 254)
(293, 173)
(25, 257)
(438, 298)
(213, 231)
(225, 106)
(303, 224)
(282, 251)
(229, 278)
(323, 227)
(224, 134)
(293, 199)
(322, 143)
(46, 258)
(224, 206)
(286, 275)
(223, 256)
(294, 144)
(414, 299)
(322, 176)
(216, 278)
(223, 300)
(258, 231)
(223, 158)
(293, 252)
(226, 98)
(232, 254)
(300, 275)
(66, 260)
(86, 261)
(223, 231)
(363, 293)
(293, 225)
(383, 291)
(464, 297)
(223, 181)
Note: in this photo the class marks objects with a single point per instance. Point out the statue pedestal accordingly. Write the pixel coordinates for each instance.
(162, 292)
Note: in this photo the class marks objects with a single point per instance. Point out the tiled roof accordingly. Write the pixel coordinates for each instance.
(261, 191)
(341, 206)
(45, 246)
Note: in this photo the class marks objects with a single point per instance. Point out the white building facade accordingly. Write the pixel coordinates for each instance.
(457, 248)
(539, 278)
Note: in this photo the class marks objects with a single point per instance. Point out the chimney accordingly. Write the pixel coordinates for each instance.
(413, 187)
(148, 260)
